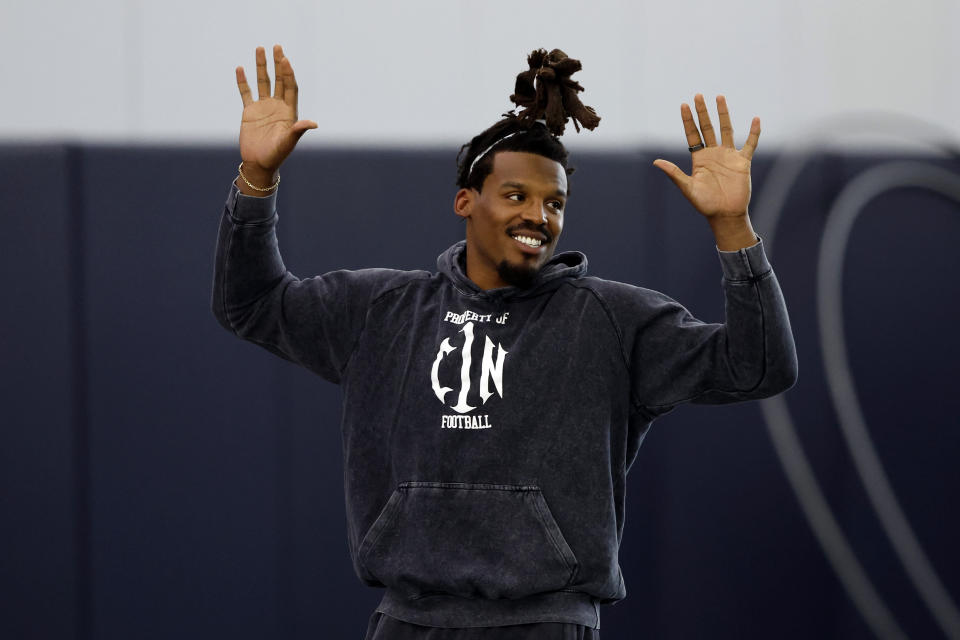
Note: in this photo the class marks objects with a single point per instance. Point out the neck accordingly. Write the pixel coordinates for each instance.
(481, 273)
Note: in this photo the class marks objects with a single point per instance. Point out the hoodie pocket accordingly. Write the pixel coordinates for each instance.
(470, 540)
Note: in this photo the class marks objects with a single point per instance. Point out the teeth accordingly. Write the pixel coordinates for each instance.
(530, 242)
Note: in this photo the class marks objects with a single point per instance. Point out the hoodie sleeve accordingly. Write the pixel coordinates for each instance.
(674, 358)
(314, 322)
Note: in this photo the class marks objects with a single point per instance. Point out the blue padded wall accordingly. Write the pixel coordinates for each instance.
(161, 478)
(42, 424)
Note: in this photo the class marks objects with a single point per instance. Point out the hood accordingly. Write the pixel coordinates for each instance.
(561, 267)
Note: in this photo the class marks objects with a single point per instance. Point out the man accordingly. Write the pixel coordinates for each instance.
(492, 409)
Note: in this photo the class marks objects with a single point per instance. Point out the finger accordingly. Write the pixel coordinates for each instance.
(703, 117)
(302, 126)
(726, 129)
(277, 75)
(689, 128)
(751, 144)
(263, 80)
(245, 93)
(290, 89)
(674, 173)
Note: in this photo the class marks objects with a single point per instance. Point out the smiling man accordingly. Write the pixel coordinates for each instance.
(514, 223)
(482, 511)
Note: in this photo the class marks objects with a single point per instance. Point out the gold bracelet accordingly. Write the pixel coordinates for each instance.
(244, 178)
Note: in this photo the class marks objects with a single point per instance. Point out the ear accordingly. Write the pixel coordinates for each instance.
(463, 202)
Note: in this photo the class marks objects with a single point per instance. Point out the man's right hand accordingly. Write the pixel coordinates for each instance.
(269, 129)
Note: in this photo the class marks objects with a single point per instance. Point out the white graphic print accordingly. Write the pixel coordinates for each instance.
(467, 316)
(491, 370)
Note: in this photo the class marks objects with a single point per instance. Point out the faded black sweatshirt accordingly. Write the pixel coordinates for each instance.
(487, 434)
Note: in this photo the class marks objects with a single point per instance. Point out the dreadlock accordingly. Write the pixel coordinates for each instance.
(547, 97)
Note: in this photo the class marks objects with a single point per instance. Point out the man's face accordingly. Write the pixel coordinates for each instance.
(514, 222)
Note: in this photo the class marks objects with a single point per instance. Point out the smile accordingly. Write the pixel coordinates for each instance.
(530, 242)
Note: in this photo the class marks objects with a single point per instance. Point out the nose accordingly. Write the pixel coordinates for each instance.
(536, 212)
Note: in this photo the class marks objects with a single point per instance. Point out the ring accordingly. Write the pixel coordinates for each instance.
(695, 147)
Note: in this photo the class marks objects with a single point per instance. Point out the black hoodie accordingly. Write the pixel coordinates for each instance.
(487, 434)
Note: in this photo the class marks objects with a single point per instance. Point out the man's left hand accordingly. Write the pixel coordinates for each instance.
(719, 184)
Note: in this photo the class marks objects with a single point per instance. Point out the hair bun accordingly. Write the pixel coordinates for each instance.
(545, 91)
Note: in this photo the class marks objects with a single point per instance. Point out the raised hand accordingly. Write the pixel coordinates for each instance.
(269, 129)
(719, 183)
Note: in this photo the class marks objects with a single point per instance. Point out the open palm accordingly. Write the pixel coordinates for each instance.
(269, 129)
(719, 181)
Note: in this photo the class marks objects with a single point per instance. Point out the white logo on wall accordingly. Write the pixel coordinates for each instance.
(848, 205)
(491, 371)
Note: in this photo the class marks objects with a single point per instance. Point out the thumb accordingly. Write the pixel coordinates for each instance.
(673, 172)
(304, 124)
(300, 127)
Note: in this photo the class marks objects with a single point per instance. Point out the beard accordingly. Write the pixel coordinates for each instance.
(519, 276)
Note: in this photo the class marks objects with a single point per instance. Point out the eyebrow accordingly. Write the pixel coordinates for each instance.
(520, 185)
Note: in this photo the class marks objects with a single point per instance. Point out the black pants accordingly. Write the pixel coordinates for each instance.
(383, 627)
